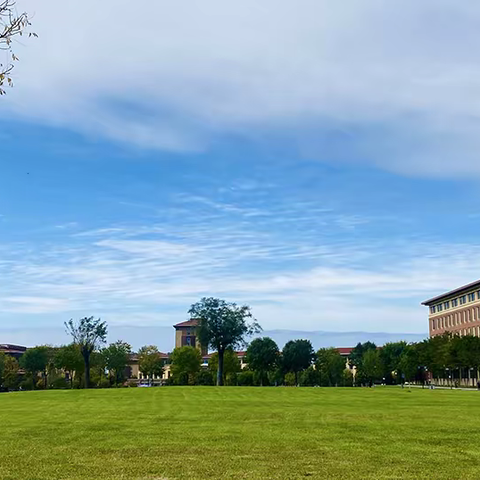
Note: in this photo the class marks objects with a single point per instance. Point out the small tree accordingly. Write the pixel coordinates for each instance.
(2, 366)
(69, 359)
(297, 356)
(356, 355)
(186, 363)
(88, 334)
(10, 373)
(150, 363)
(11, 26)
(262, 356)
(371, 367)
(231, 363)
(116, 357)
(330, 366)
(222, 325)
(35, 361)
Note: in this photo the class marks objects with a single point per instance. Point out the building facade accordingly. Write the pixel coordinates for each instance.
(456, 311)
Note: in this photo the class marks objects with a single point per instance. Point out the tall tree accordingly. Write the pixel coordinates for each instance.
(116, 357)
(297, 356)
(88, 334)
(223, 325)
(262, 356)
(330, 366)
(150, 363)
(12, 25)
(186, 363)
(35, 361)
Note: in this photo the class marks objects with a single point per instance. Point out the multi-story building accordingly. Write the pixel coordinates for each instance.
(456, 311)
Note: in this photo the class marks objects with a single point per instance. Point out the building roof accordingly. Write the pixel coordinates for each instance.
(344, 350)
(189, 323)
(457, 291)
(134, 356)
(7, 347)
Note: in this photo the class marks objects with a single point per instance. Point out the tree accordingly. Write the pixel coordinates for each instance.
(2, 366)
(231, 363)
(330, 366)
(297, 356)
(390, 355)
(10, 373)
(262, 356)
(222, 325)
(150, 363)
(356, 355)
(69, 359)
(88, 334)
(35, 361)
(116, 357)
(186, 362)
(11, 26)
(371, 367)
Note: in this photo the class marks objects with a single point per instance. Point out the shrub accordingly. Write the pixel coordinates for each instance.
(26, 384)
(261, 378)
(205, 377)
(59, 382)
(103, 383)
(245, 378)
(290, 379)
(347, 378)
(231, 379)
(309, 377)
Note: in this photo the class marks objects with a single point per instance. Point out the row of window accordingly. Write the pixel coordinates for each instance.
(455, 319)
(455, 302)
(475, 331)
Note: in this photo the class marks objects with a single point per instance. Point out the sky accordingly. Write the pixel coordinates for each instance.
(315, 160)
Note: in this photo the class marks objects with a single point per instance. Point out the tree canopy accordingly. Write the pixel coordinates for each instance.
(262, 356)
(88, 333)
(222, 325)
(297, 356)
(330, 366)
(150, 363)
(186, 363)
(35, 361)
(116, 357)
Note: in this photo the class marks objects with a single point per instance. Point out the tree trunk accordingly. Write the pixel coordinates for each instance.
(86, 358)
(220, 368)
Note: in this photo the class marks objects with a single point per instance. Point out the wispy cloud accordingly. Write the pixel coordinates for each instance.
(150, 273)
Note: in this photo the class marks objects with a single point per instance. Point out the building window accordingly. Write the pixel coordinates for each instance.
(446, 305)
(439, 307)
(455, 302)
(432, 309)
(463, 299)
(471, 297)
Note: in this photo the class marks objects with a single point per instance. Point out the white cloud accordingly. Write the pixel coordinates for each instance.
(149, 274)
(398, 80)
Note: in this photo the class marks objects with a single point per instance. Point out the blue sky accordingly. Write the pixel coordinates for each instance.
(317, 162)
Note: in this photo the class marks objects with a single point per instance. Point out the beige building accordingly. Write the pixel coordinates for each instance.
(456, 311)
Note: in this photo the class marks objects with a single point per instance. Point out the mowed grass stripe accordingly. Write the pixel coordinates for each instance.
(240, 432)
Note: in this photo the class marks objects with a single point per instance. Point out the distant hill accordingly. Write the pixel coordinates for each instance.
(163, 337)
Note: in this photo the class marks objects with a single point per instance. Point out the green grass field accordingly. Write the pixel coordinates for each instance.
(239, 432)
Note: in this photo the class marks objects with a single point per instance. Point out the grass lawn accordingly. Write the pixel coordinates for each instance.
(240, 432)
